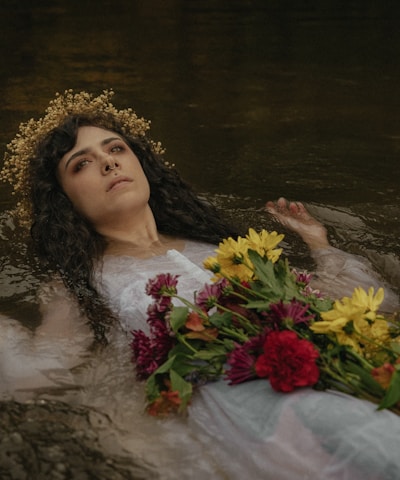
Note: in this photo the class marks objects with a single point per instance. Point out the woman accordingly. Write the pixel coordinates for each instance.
(107, 214)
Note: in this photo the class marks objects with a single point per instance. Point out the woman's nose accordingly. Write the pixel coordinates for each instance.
(109, 164)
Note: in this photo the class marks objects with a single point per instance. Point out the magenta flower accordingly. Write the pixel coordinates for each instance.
(289, 314)
(143, 355)
(163, 285)
(158, 309)
(162, 342)
(149, 352)
(242, 360)
(209, 296)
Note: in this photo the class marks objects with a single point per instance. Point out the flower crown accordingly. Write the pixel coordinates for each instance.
(21, 149)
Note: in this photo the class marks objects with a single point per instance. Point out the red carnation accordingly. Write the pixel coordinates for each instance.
(288, 361)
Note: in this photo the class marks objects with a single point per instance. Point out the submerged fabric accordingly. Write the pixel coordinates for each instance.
(250, 430)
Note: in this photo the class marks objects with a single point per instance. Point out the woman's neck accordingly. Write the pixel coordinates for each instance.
(143, 249)
(137, 236)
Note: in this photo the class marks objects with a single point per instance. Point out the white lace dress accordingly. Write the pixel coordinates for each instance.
(252, 431)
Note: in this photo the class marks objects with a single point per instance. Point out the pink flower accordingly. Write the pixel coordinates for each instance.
(289, 314)
(210, 294)
(288, 361)
(308, 291)
(162, 285)
(302, 277)
(242, 360)
(305, 278)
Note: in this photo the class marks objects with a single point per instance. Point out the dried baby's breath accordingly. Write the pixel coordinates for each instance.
(21, 149)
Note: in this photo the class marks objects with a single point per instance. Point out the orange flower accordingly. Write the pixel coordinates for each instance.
(383, 374)
(168, 402)
(207, 334)
(194, 322)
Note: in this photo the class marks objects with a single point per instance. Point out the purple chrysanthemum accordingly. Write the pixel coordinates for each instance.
(157, 309)
(143, 355)
(162, 285)
(291, 313)
(160, 329)
(242, 360)
(151, 351)
(210, 294)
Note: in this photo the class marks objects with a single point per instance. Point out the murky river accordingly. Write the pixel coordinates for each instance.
(252, 99)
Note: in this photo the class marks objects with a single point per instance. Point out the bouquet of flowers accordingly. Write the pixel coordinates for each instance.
(260, 318)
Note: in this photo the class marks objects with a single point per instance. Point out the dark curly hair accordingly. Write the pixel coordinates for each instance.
(67, 243)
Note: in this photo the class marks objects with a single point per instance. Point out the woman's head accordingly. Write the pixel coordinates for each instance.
(100, 175)
(70, 174)
(49, 129)
(48, 167)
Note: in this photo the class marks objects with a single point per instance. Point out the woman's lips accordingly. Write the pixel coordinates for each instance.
(118, 181)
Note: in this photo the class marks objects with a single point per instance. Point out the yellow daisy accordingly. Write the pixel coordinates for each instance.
(264, 243)
(368, 301)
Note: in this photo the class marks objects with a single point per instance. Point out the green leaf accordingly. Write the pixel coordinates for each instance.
(323, 304)
(367, 380)
(178, 317)
(221, 319)
(211, 352)
(166, 366)
(152, 388)
(395, 346)
(229, 344)
(259, 305)
(180, 349)
(184, 388)
(184, 364)
(393, 392)
(275, 282)
(155, 383)
(264, 270)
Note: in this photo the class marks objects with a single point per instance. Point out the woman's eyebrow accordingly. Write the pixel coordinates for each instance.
(84, 151)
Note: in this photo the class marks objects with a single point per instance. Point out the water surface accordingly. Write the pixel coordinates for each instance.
(253, 99)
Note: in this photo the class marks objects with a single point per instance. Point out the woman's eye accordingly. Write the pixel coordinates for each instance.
(79, 165)
(116, 148)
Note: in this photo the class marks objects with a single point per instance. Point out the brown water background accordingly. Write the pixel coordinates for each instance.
(253, 99)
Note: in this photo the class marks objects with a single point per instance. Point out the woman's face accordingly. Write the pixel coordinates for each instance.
(102, 177)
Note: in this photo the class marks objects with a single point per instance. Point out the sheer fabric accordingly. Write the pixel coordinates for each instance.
(249, 429)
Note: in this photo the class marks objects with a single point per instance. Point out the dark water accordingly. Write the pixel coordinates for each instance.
(253, 99)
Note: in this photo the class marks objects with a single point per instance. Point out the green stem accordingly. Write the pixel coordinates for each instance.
(190, 305)
(235, 334)
(182, 340)
(376, 343)
(245, 322)
(246, 289)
